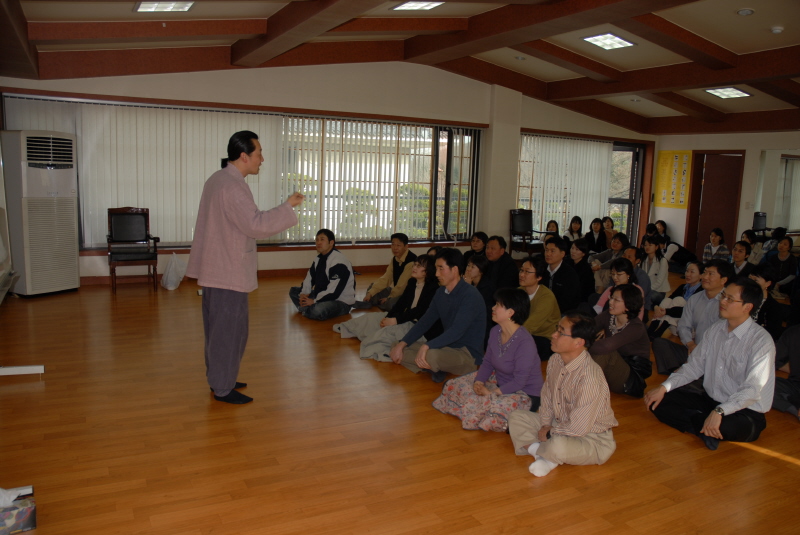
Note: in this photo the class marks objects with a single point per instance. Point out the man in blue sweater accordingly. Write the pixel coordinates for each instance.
(459, 306)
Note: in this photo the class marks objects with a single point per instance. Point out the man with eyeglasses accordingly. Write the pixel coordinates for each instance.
(574, 422)
(700, 313)
(736, 360)
(544, 316)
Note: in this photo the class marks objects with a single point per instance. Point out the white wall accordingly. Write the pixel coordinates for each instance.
(397, 89)
(753, 144)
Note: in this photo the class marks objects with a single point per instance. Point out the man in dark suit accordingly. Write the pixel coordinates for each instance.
(564, 281)
(502, 271)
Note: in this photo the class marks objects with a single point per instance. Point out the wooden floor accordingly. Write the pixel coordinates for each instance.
(121, 435)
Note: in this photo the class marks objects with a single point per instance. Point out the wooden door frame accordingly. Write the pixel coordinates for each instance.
(696, 188)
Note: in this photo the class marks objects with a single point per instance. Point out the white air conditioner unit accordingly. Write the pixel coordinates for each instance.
(42, 200)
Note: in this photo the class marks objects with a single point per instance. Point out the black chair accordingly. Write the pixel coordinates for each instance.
(521, 230)
(129, 242)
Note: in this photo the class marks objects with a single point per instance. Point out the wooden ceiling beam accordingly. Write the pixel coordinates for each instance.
(46, 32)
(785, 90)
(295, 24)
(18, 57)
(767, 65)
(514, 24)
(685, 105)
(569, 60)
(608, 113)
(390, 25)
(747, 122)
(489, 73)
(667, 35)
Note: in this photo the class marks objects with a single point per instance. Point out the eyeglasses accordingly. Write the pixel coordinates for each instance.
(728, 298)
(560, 332)
(528, 272)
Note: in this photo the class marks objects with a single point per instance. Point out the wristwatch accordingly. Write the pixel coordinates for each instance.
(719, 410)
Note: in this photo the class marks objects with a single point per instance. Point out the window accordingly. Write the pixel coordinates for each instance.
(626, 178)
(364, 180)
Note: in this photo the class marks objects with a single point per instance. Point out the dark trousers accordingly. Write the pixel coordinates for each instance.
(542, 347)
(687, 411)
(669, 355)
(226, 324)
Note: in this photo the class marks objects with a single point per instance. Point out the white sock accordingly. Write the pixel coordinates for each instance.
(533, 448)
(541, 467)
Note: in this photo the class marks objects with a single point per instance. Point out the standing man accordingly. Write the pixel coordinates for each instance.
(385, 291)
(700, 313)
(573, 425)
(329, 289)
(224, 262)
(736, 360)
(564, 282)
(502, 269)
(460, 307)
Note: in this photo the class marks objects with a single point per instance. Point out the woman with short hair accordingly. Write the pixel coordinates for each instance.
(510, 376)
(716, 248)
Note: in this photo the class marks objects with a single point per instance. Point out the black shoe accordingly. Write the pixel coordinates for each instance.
(710, 442)
(235, 398)
(362, 305)
(237, 386)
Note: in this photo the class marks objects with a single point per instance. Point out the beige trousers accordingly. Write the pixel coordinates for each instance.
(456, 361)
(593, 448)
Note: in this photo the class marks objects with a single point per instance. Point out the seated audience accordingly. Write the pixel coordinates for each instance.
(756, 246)
(329, 289)
(552, 227)
(667, 314)
(656, 268)
(700, 313)
(785, 265)
(475, 274)
(477, 245)
(678, 256)
(622, 272)
(459, 306)
(379, 331)
(770, 314)
(563, 279)
(575, 230)
(635, 256)
(544, 315)
(739, 255)
(608, 228)
(573, 425)
(787, 391)
(649, 231)
(596, 237)
(716, 249)
(578, 252)
(601, 262)
(385, 291)
(433, 251)
(622, 348)
(661, 227)
(770, 247)
(736, 360)
(509, 378)
(502, 268)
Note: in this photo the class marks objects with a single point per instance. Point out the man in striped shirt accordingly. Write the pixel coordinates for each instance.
(736, 359)
(573, 425)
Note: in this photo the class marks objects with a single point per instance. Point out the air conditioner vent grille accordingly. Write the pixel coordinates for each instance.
(49, 149)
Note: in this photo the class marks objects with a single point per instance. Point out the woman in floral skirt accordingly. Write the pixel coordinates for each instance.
(510, 376)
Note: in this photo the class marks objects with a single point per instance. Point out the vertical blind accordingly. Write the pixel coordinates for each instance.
(561, 177)
(362, 179)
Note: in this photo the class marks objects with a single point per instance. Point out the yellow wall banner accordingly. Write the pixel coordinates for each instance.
(672, 178)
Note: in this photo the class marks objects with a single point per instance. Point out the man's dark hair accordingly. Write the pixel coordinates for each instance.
(724, 269)
(560, 243)
(537, 262)
(582, 327)
(481, 236)
(747, 248)
(718, 232)
(515, 299)
(241, 142)
(623, 265)
(452, 257)
(400, 236)
(766, 272)
(429, 263)
(632, 296)
(623, 239)
(479, 261)
(651, 228)
(328, 234)
(778, 233)
(582, 245)
(752, 294)
(751, 235)
(501, 241)
(434, 250)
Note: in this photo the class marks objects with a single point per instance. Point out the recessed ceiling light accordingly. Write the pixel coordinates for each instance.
(417, 6)
(521, 58)
(636, 100)
(152, 7)
(745, 11)
(608, 41)
(728, 92)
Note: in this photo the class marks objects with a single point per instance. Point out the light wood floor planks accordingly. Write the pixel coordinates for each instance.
(121, 435)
